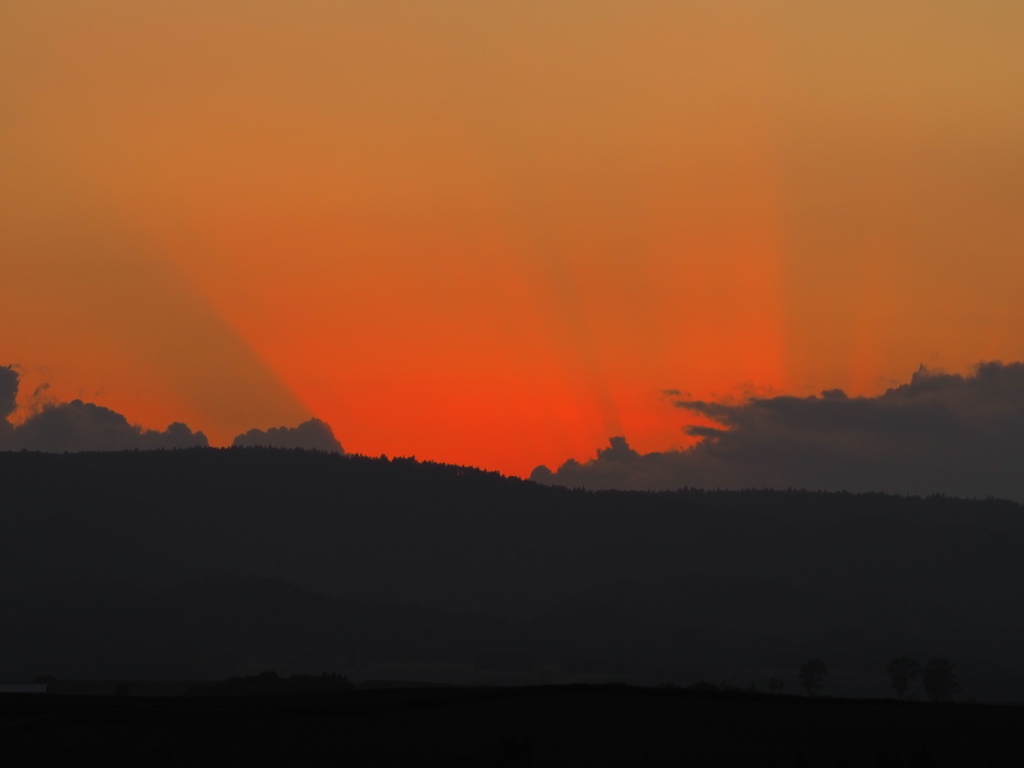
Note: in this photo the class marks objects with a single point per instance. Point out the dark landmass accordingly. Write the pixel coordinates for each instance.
(271, 684)
(605, 725)
(206, 564)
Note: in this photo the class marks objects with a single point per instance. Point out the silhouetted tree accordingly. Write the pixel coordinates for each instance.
(938, 679)
(775, 685)
(902, 672)
(812, 675)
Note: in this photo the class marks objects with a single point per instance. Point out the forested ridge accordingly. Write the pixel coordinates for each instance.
(503, 575)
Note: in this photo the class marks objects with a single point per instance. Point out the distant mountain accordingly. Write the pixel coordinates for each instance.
(212, 563)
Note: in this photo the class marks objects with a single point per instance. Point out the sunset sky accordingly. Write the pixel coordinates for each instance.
(495, 233)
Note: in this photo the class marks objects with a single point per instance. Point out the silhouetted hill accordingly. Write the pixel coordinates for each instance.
(271, 684)
(509, 576)
(212, 629)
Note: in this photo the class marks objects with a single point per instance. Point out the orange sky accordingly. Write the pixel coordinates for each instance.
(492, 234)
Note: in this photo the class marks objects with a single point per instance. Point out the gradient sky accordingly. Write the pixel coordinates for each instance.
(494, 233)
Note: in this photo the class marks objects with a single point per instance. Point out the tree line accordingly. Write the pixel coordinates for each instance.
(936, 676)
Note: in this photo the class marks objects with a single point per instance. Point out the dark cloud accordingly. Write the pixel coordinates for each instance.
(8, 390)
(8, 401)
(940, 433)
(312, 434)
(79, 426)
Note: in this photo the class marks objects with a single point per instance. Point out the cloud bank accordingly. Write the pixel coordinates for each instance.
(79, 426)
(940, 433)
(313, 434)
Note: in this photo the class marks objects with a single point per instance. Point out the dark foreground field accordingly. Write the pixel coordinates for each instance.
(556, 725)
